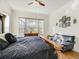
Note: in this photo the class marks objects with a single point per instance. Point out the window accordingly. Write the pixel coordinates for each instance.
(22, 26)
(28, 25)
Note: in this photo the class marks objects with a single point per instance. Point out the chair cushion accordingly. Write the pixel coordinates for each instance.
(2, 36)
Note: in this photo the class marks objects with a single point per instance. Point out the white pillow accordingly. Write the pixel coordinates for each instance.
(2, 36)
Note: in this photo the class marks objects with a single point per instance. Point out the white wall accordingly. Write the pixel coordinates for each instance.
(4, 7)
(17, 14)
(72, 10)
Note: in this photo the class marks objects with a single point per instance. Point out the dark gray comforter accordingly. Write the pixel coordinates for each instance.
(28, 48)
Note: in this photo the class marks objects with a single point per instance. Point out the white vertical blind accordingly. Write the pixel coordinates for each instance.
(21, 26)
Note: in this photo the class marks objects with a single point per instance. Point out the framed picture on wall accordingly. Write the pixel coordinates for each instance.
(74, 21)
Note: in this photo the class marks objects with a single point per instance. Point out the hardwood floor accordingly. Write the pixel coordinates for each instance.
(68, 55)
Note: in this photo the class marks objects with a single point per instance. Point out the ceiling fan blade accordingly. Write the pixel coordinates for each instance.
(41, 3)
(36, 0)
(30, 3)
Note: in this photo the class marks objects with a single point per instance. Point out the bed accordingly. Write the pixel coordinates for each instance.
(28, 48)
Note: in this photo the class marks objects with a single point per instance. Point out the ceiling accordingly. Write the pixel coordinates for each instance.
(51, 5)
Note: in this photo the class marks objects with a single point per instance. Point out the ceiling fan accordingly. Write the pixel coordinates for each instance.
(38, 1)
